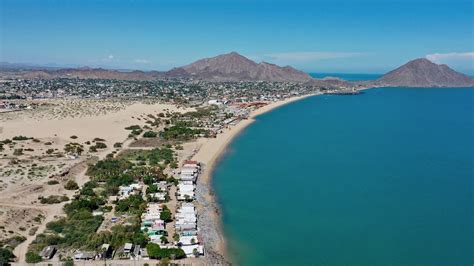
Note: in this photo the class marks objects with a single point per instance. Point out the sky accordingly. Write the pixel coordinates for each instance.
(338, 36)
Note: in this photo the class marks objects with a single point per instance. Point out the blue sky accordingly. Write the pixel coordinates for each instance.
(366, 36)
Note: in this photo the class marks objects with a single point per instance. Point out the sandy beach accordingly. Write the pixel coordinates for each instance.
(47, 126)
(210, 152)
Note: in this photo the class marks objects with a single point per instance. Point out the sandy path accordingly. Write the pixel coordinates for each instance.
(51, 212)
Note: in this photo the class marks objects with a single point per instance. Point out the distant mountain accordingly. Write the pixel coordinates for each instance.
(86, 73)
(233, 66)
(424, 73)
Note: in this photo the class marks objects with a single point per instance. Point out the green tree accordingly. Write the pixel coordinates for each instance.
(165, 214)
(71, 185)
(32, 257)
(176, 237)
(149, 134)
(6, 256)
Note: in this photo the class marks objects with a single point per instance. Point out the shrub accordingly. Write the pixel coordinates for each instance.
(32, 257)
(136, 132)
(73, 137)
(100, 145)
(53, 182)
(181, 133)
(74, 148)
(133, 127)
(71, 185)
(155, 252)
(20, 138)
(132, 203)
(53, 199)
(149, 134)
(117, 145)
(49, 151)
(18, 152)
(56, 226)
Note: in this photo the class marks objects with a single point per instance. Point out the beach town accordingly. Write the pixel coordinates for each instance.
(131, 184)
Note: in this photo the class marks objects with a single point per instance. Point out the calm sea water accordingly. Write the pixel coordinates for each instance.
(382, 178)
(346, 76)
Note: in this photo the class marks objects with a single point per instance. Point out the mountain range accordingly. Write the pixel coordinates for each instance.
(235, 67)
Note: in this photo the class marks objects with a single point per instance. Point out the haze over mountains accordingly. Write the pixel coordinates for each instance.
(235, 67)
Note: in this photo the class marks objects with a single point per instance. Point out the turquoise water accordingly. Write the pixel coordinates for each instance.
(382, 178)
(346, 76)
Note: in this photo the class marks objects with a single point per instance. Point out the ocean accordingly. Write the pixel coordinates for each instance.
(381, 178)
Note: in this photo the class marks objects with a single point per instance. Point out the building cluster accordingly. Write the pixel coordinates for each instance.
(187, 180)
(180, 90)
(9, 106)
(186, 215)
(152, 224)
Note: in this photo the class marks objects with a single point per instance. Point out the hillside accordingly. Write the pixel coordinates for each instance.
(233, 66)
(424, 73)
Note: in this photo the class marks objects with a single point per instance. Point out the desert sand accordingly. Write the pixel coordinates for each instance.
(20, 194)
(24, 178)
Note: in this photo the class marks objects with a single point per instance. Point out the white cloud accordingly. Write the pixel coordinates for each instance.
(109, 58)
(308, 56)
(451, 57)
(141, 61)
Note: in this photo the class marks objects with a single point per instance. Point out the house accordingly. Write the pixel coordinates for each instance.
(80, 255)
(189, 171)
(193, 250)
(181, 225)
(160, 196)
(126, 191)
(185, 177)
(188, 240)
(214, 102)
(127, 248)
(106, 250)
(136, 252)
(48, 252)
(185, 191)
(186, 217)
(144, 254)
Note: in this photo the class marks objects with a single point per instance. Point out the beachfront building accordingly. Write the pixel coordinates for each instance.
(151, 224)
(186, 191)
(188, 176)
(186, 218)
(193, 250)
(186, 226)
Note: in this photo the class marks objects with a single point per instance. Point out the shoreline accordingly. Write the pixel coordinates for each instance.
(209, 154)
